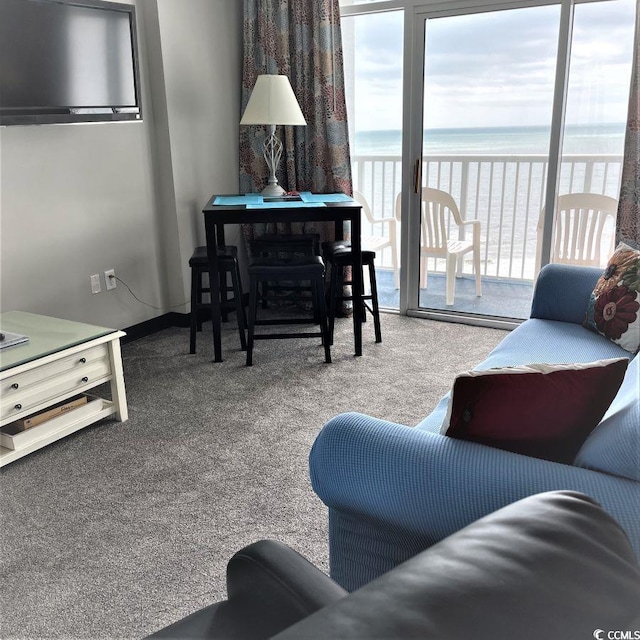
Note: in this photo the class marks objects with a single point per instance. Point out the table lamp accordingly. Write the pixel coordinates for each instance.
(272, 102)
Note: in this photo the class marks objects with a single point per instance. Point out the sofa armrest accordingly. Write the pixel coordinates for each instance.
(416, 488)
(562, 292)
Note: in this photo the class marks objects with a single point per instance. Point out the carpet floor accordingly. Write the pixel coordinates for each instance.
(123, 528)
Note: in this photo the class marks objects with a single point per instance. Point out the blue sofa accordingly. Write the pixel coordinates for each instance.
(392, 491)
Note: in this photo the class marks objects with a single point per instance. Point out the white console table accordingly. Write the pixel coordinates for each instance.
(60, 360)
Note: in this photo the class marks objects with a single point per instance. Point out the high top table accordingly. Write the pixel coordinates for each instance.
(241, 209)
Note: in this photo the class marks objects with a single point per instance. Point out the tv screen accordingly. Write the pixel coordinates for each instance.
(67, 61)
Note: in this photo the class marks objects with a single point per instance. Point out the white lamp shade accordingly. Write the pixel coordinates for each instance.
(272, 101)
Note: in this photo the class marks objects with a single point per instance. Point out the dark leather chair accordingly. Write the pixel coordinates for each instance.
(227, 264)
(553, 565)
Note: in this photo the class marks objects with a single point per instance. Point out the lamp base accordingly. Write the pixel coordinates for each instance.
(273, 190)
(272, 152)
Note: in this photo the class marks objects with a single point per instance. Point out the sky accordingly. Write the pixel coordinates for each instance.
(495, 68)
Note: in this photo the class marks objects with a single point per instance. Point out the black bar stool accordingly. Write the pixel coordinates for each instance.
(228, 264)
(306, 268)
(338, 255)
(289, 244)
(284, 246)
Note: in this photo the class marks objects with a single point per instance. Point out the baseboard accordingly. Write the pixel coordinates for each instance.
(172, 319)
(154, 325)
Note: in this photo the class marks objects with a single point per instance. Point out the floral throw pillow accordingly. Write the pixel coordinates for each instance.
(614, 306)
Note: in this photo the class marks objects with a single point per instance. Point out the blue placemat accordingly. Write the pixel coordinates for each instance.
(307, 199)
(307, 196)
(290, 204)
(247, 199)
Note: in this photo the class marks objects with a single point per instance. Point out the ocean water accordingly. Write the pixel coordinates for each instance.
(578, 139)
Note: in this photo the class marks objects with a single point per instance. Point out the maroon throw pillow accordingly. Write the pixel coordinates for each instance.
(538, 410)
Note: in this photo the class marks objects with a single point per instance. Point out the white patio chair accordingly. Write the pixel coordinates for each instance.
(434, 242)
(580, 221)
(380, 242)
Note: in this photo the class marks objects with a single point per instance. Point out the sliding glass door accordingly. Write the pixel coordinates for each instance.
(487, 102)
(520, 108)
(468, 120)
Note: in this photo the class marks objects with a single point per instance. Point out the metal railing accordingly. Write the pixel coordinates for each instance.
(506, 193)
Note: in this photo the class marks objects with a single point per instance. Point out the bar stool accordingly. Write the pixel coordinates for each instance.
(339, 256)
(284, 246)
(289, 244)
(306, 268)
(227, 264)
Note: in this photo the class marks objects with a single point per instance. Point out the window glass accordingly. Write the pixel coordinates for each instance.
(373, 77)
(595, 126)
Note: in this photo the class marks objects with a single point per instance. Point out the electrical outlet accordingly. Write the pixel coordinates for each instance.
(95, 283)
(110, 279)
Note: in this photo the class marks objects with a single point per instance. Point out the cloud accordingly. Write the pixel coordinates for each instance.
(377, 42)
(492, 66)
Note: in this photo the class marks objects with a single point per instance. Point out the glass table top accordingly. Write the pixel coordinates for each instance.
(46, 335)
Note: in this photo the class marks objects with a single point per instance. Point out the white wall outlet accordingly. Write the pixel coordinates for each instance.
(110, 279)
(95, 283)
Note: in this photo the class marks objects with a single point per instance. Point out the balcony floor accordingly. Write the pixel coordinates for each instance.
(500, 298)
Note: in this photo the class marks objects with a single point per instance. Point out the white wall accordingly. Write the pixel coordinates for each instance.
(201, 43)
(78, 199)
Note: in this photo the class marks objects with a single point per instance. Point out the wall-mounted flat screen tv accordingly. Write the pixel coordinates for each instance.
(68, 61)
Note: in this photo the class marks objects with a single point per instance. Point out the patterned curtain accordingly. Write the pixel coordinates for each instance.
(628, 223)
(302, 40)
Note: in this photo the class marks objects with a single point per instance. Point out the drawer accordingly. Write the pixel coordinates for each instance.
(22, 392)
(19, 382)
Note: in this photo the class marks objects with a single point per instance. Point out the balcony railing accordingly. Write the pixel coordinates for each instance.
(506, 193)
